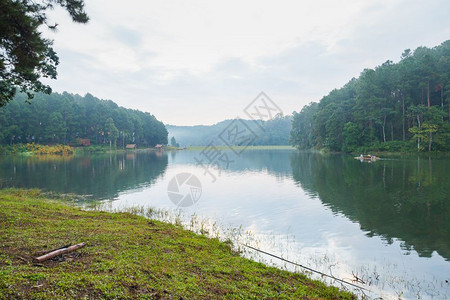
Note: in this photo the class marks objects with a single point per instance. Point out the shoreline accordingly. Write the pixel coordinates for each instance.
(128, 256)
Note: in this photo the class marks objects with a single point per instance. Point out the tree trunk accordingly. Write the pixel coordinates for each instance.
(403, 103)
(392, 132)
(428, 94)
(430, 142)
(421, 95)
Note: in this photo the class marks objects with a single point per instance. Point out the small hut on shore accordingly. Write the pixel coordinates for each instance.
(84, 142)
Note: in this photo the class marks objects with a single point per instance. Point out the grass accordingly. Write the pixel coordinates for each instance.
(128, 256)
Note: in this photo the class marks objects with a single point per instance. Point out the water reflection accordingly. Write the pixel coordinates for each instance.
(403, 199)
(103, 176)
(274, 162)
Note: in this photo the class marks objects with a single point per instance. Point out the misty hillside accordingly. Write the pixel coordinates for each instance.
(272, 132)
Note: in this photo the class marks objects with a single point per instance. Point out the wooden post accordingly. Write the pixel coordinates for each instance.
(59, 252)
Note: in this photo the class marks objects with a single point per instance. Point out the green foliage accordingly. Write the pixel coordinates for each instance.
(276, 132)
(112, 131)
(55, 133)
(384, 108)
(65, 118)
(25, 56)
(429, 122)
(174, 143)
(389, 146)
(351, 136)
(302, 127)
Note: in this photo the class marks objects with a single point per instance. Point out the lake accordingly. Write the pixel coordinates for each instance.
(386, 223)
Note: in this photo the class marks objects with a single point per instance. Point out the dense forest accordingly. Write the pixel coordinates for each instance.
(272, 132)
(69, 119)
(400, 106)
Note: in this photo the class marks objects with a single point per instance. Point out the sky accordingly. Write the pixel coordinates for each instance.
(203, 61)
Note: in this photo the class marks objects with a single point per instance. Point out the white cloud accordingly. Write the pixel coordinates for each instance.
(203, 61)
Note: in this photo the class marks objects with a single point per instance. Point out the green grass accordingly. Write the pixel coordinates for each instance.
(128, 256)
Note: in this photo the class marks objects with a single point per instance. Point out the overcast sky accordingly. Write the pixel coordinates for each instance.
(199, 62)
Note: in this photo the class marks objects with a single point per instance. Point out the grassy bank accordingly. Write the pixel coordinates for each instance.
(60, 149)
(36, 149)
(127, 257)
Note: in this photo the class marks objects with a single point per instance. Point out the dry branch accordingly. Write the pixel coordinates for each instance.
(42, 252)
(59, 252)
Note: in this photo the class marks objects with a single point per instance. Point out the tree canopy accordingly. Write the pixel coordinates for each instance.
(394, 107)
(25, 56)
(66, 118)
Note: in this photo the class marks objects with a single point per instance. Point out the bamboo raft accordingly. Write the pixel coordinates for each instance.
(367, 158)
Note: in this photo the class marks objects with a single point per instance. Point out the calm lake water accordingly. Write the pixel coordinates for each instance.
(388, 223)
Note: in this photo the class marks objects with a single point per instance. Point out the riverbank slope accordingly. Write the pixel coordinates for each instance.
(127, 256)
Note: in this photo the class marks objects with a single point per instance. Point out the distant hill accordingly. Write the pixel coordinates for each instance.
(272, 132)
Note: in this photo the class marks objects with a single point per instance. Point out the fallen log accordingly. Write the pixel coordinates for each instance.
(59, 252)
(42, 252)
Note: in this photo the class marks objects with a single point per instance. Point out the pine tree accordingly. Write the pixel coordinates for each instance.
(25, 56)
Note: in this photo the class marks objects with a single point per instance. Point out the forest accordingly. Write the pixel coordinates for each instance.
(400, 106)
(72, 119)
